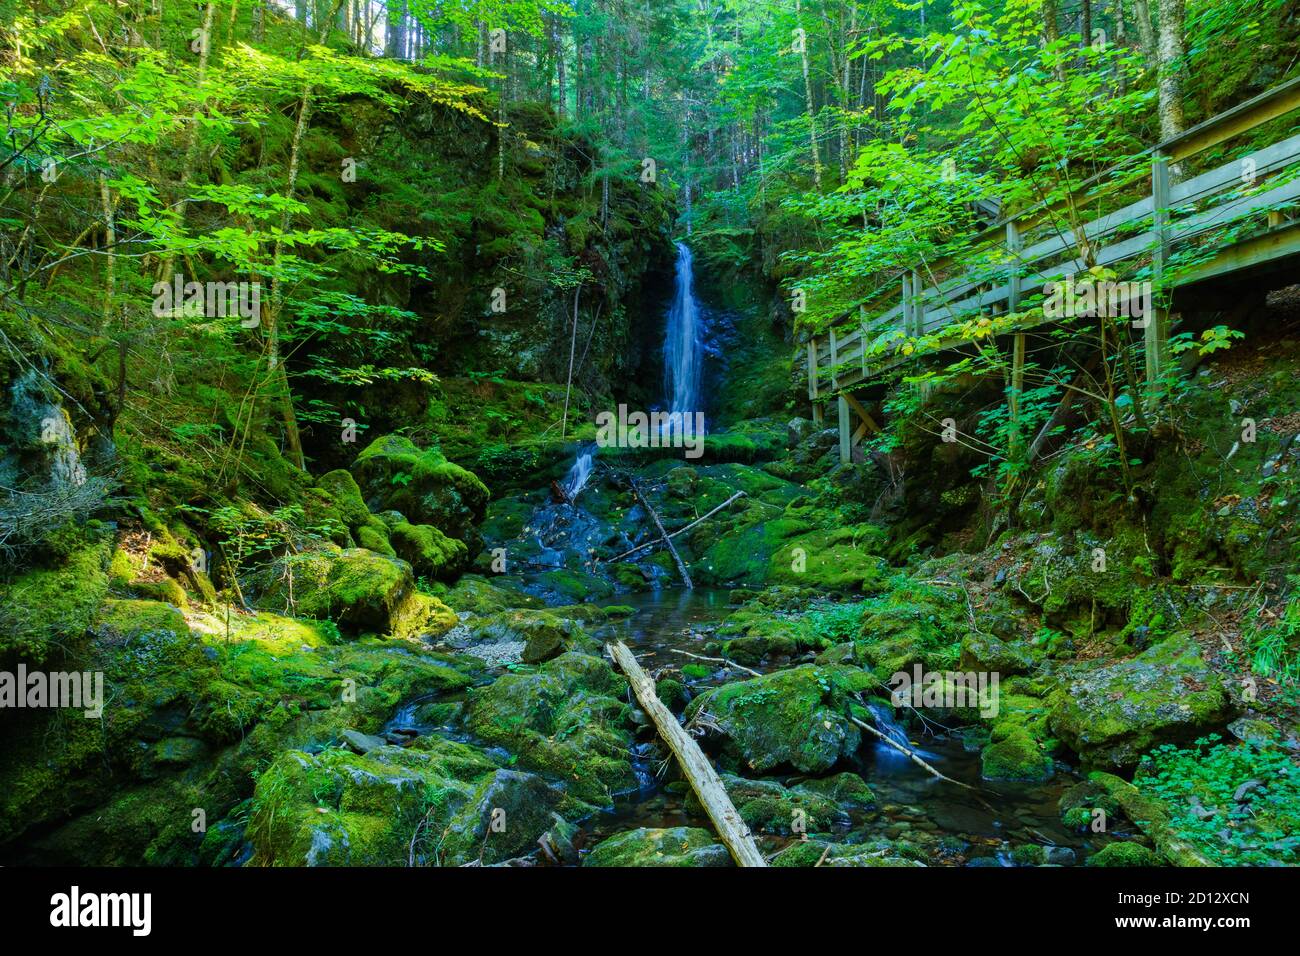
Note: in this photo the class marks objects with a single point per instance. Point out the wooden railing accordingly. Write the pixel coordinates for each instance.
(1153, 222)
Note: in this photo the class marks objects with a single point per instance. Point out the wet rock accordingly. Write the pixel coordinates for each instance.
(676, 846)
(1114, 713)
(1015, 755)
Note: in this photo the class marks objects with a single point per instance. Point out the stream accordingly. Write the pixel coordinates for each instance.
(953, 825)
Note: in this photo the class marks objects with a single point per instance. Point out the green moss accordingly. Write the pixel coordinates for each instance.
(1016, 756)
(430, 552)
(565, 720)
(45, 613)
(673, 847)
(796, 717)
(395, 474)
(1124, 854)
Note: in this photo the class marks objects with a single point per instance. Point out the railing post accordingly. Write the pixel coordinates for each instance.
(918, 310)
(907, 303)
(835, 361)
(1013, 277)
(1155, 334)
(812, 380)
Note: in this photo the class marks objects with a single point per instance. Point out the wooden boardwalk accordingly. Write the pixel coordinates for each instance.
(1222, 225)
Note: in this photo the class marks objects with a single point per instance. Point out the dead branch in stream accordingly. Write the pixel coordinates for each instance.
(719, 660)
(695, 766)
(651, 544)
(910, 755)
(681, 565)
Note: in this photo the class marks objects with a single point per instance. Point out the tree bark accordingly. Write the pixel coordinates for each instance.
(1171, 66)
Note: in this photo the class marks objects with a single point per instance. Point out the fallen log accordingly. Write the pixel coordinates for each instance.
(681, 565)
(651, 544)
(695, 766)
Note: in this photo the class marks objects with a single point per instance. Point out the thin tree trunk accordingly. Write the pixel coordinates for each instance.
(808, 99)
(1146, 30)
(1171, 67)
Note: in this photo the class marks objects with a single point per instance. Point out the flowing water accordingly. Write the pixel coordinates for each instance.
(683, 341)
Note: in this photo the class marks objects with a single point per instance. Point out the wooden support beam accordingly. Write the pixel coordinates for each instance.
(862, 413)
(697, 770)
(1013, 277)
(846, 444)
(835, 361)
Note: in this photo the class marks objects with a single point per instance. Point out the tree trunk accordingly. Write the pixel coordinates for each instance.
(1146, 32)
(808, 99)
(1171, 67)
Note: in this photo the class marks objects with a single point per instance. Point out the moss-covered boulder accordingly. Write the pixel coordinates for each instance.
(45, 611)
(1110, 715)
(362, 591)
(911, 624)
(566, 720)
(675, 846)
(393, 473)
(1015, 755)
(1125, 854)
(792, 718)
(982, 652)
(339, 808)
(544, 634)
(430, 553)
(502, 820)
(769, 807)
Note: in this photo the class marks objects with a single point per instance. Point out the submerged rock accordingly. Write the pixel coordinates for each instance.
(676, 846)
(1113, 714)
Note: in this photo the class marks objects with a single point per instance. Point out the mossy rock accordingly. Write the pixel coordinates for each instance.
(346, 497)
(482, 595)
(362, 591)
(566, 720)
(44, 612)
(768, 807)
(393, 473)
(429, 552)
(1017, 756)
(502, 819)
(672, 847)
(796, 718)
(1112, 714)
(980, 652)
(338, 808)
(1124, 854)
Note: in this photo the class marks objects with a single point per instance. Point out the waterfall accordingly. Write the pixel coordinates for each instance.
(580, 472)
(683, 348)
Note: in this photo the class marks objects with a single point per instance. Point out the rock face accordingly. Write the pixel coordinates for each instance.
(394, 473)
(565, 720)
(1111, 715)
(676, 846)
(792, 718)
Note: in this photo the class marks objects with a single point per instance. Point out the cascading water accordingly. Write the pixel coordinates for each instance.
(580, 473)
(683, 345)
